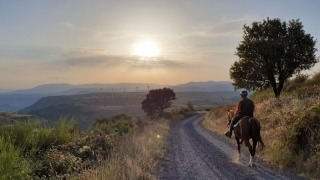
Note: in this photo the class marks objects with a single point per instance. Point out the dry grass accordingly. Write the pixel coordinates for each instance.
(279, 120)
(217, 120)
(136, 157)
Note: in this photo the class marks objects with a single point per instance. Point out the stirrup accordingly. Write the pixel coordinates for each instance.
(228, 134)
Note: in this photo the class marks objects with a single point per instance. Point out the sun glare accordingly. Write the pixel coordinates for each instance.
(147, 48)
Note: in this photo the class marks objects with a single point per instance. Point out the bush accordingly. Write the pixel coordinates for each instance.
(295, 83)
(180, 113)
(306, 135)
(118, 124)
(262, 95)
(314, 80)
(65, 131)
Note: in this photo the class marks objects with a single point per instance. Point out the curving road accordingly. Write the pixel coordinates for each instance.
(197, 153)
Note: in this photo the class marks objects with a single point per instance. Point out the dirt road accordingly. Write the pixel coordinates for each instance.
(197, 153)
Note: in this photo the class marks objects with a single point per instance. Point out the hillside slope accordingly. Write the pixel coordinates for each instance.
(290, 125)
(11, 118)
(90, 106)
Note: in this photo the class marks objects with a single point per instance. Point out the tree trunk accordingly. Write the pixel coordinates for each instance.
(274, 85)
(275, 90)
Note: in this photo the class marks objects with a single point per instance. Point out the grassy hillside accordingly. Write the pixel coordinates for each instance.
(12, 118)
(290, 126)
(90, 106)
(116, 147)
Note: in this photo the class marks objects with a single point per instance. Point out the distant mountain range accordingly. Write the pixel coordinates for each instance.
(18, 99)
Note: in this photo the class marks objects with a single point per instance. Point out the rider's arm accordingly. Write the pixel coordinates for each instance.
(238, 110)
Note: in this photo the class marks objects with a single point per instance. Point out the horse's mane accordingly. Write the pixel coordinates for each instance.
(231, 113)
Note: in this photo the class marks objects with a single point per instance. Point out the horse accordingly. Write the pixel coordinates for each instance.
(248, 128)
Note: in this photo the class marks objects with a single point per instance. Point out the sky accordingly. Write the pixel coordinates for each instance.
(82, 41)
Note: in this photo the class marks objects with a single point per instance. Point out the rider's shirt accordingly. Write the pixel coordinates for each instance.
(246, 107)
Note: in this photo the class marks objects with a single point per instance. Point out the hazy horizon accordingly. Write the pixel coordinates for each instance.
(82, 84)
(143, 41)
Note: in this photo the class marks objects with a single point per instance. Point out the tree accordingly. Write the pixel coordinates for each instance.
(271, 52)
(157, 100)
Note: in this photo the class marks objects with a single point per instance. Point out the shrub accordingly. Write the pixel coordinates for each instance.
(295, 83)
(314, 80)
(119, 124)
(180, 113)
(65, 131)
(306, 135)
(262, 95)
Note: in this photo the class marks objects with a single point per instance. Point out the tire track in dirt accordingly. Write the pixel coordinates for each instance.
(197, 153)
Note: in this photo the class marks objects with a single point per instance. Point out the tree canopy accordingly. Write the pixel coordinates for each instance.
(157, 100)
(271, 52)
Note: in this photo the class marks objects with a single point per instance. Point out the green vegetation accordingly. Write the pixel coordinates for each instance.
(157, 101)
(119, 124)
(136, 156)
(117, 147)
(180, 113)
(33, 150)
(271, 52)
(12, 164)
(11, 118)
(290, 125)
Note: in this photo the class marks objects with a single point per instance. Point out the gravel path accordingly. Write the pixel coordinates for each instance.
(197, 153)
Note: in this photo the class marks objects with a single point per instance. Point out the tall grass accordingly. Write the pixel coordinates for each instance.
(12, 163)
(20, 144)
(216, 119)
(136, 156)
(290, 129)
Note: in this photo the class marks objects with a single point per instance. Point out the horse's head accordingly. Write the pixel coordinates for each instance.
(231, 114)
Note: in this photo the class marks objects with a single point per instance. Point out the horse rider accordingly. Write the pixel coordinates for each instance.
(245, 108)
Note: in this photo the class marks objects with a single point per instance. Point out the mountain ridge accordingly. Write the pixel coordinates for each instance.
(19, 99)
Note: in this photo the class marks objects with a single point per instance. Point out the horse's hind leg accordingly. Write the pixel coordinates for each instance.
(254, 147)
(251, 152)
(239, 146)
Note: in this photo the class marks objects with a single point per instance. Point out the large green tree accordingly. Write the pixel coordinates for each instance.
(157, 100)
(271, 52)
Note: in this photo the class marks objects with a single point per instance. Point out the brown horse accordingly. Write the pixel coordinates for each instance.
(248, 128)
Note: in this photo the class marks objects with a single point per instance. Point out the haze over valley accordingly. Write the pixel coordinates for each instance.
(89, 101)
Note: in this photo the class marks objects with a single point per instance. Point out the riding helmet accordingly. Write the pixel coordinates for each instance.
(244, 93)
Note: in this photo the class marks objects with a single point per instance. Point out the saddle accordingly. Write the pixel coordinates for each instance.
(236, 124)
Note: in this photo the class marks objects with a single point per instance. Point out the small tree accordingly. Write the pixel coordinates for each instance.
(271, 52)
(157, 100)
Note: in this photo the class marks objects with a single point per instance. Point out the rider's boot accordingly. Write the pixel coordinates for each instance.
(229, 133)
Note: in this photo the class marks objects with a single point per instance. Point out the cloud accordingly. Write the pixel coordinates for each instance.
(157, 62)
(98, 58)
(226, 27)
(99, 35)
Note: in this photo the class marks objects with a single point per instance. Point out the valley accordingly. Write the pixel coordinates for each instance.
(86, 108)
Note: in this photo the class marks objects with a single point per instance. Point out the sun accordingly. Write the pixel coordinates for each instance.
(146, 48)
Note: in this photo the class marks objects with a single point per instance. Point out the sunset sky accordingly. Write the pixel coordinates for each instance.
(147, 41)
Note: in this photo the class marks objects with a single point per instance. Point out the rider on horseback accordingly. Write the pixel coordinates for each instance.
(245, 108)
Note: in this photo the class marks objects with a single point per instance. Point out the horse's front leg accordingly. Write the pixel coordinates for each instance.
(251, 152)
(239, 147)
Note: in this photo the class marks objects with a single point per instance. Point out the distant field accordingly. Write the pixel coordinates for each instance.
(10, 117)
(90, 106)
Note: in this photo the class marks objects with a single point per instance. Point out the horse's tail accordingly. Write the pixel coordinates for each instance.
(256, 132)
